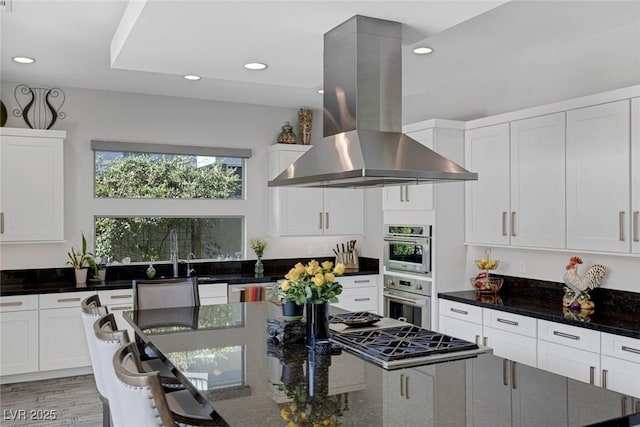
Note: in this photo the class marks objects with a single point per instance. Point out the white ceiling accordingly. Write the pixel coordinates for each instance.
(490, 56)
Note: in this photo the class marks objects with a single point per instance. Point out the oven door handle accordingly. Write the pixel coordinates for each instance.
(416, 240)
(413, 302)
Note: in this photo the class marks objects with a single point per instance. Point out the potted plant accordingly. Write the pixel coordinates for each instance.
(80, 260)
(315, 286)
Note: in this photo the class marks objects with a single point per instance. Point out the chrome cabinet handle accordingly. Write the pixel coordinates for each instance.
(630, 349)
(406, 387)
(406, 193)
(621, 221)
(326, 222)
(362, 299)
(563, 335)
(504, 223)
(477, 341)
(10, 303)
(513, 375)
(361, 281)
(68, 299)
(508, 322)
(457, 310)
(592, 374)
(636, 226)
(513, 224)
(402, 193)
(402, 385)
(320, 226)
(485, 340)
(1, 222)
(123, 296)
(505, 379)
(121, 308)
(604, 378)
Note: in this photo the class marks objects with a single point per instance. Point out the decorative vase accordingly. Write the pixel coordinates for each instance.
(305, 117)
(151, 271)
(287, 136)
(102, 274)
(317, 325)
(259, 268)
(292, 311)
(39, 107)
(81, 275)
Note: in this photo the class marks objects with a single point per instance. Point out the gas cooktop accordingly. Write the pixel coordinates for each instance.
(404, 346)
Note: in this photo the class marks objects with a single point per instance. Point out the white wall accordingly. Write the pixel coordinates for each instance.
(93, 114)
(623, 271)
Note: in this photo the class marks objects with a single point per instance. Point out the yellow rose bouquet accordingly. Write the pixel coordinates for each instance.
(312, 283)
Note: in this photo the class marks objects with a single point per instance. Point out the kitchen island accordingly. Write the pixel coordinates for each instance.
(225, 357)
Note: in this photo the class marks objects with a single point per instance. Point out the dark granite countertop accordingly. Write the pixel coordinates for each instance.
(616, 312)
(223, 355)
(54, 280)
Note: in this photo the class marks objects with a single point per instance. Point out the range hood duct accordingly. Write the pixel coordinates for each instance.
(363, 145)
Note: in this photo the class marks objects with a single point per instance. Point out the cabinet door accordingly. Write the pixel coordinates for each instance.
(490, 393)
(31, 189)
(343, 211)
(589, 404)
(537, 215)
(19, 342)
(569, 362)
(487, 199)
(460, 329)
(393, 198)
(635, 174)
(511, 346)
(539, 398)
(598, 178)
(620, 375)
(302, 212)
(408, 398)
(63, 343)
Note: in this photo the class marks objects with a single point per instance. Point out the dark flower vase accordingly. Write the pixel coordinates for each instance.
(292, 311)
(318, 326)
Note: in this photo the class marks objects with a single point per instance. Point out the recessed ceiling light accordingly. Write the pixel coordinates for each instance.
(255, 66)
(23, 60)
(423, 50)
(320, 91)
(192, 77)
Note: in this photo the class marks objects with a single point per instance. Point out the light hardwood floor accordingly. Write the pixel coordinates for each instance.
(74, 401)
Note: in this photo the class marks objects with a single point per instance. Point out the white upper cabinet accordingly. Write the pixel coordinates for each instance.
(31, 185)
(598, 178)
(635, 170)
(537, 214)
(296, 211)
(487, 199)
(411, 197)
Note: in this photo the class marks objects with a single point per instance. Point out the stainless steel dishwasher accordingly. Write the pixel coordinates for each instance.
(247, 292)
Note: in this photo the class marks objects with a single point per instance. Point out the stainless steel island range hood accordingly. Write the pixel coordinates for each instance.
(363, 145)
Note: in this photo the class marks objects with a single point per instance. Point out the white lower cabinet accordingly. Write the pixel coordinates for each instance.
(117, 302)
(359, 293)
(620, 363)
(63, 343)
(18, 334)
(589, 404)
(506, 393)
(510, 335)
(460, 329)
(214, 293)
(423, 396)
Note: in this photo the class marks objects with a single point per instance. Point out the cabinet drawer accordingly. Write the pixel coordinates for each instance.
(63, 300)
(512, 346)
(358, 281)
(359, 299)
(509, 322)
(213, 290)
(116, 296)
(18, 303)
(621, 347)
(572, 336)
(469, 313)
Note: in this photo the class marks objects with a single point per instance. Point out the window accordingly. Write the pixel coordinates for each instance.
(132, 173)
(148, 238)
(130, 170)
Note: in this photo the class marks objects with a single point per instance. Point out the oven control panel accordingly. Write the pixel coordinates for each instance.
(413, 285)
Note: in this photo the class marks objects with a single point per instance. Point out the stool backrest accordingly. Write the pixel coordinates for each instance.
(92, 310)
(141, 398)
(165, 293)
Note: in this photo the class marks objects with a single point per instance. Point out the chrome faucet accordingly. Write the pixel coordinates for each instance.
(173, 247)
(190, 270)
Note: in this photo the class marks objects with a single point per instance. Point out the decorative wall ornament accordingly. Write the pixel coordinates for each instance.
(39, 107)
(287, 136)
(576, 293)
(305, 117)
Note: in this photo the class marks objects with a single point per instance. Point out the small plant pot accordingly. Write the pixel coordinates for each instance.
(292, 311)
(102, 275)
(81, 275)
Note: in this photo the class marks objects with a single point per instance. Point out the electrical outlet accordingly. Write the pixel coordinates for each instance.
(522, 266)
